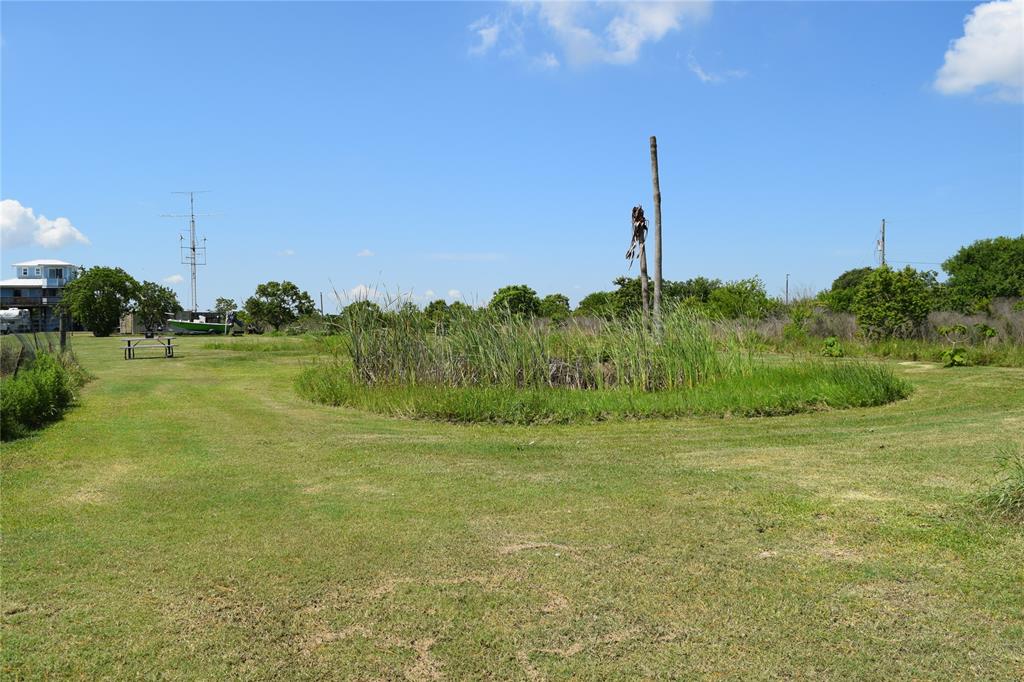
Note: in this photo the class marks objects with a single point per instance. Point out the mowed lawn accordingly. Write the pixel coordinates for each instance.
(194, 518)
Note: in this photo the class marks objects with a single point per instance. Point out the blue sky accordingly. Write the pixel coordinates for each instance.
(467, 146)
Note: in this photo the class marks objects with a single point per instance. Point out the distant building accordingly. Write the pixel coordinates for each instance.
(38, 287)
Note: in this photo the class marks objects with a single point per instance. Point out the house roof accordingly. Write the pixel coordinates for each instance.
(43, 261)
(22, 283)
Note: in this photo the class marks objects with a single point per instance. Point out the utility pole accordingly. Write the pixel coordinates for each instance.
(787, 288)
(657, 230)
(881, 244)
(321, 304)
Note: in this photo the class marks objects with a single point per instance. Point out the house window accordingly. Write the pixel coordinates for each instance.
(16, 293)
(56, 273)
(24, 272)
(37, 272)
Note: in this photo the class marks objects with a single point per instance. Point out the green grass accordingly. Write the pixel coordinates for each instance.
(766, 391)
(195, 518)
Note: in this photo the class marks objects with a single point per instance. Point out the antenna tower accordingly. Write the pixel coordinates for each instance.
(193, 250)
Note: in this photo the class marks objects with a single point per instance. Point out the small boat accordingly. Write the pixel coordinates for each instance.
(204, 323)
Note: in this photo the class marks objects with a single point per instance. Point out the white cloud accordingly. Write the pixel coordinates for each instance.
(546, 61)
(361, 292)
(174, 279)
(428, 294)
(466, 257)
(19, 226)
(586, 33)
(288, 253)
(710, 77)
(365, 253)
(454, 295)
(487, 31)
(990, 53)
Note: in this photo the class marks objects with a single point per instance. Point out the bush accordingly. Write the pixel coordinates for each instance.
(892, 303)
(37, 394)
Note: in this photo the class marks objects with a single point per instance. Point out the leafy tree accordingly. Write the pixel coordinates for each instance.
(99, 298)
(277, 304)
(517, 299)
(555, 307)
(224, 305)
(987, 269)
(362, 312)
(696, 289)
(458, 310)
(892, 302)
(437, 311)
(600, 304)
(692, 291)
(743, 298)
(154, 303)
(840, 297)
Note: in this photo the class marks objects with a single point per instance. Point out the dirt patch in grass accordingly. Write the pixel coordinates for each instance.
(98, 489)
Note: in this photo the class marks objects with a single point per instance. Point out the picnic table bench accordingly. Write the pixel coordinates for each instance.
(164, 342)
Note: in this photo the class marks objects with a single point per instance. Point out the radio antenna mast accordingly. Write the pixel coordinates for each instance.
(193, 252)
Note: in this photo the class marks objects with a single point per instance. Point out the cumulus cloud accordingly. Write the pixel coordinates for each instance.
(454, 295)
(586, 33)
(989, 54)
(712, 77)
(365, 253)
(288, 253)
(20, 226)
(361, 292)
(174, 279)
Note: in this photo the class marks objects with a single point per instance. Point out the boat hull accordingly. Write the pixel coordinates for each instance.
(190, 327)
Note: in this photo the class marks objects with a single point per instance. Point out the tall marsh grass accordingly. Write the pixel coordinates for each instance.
(489, 348)
(489, 366)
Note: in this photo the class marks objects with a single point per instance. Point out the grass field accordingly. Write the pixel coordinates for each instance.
(194, 518)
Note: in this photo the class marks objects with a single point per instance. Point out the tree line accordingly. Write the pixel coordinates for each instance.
(886, 301)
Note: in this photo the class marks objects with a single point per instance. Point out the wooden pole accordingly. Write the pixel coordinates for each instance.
(657, 229)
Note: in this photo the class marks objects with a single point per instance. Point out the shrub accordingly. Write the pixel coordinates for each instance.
(37, 394)
(831, 348)
(892, 302)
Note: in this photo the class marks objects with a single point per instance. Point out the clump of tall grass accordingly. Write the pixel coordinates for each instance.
(1006, 497)
(495, 348)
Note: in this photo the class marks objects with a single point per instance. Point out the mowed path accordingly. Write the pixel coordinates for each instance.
(195, 519)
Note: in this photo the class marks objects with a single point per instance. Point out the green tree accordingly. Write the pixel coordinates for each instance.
(692, 291)
(362, 312)
(840, 297)
(224, 305)
(155, 304)
(743, 298)
(517, 299)
(555, 307)
(99, 298)
(987, 269)
(277, 304)
(892, 302)
(600, 304)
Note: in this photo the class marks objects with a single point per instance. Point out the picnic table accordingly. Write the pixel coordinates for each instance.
(164, 342)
